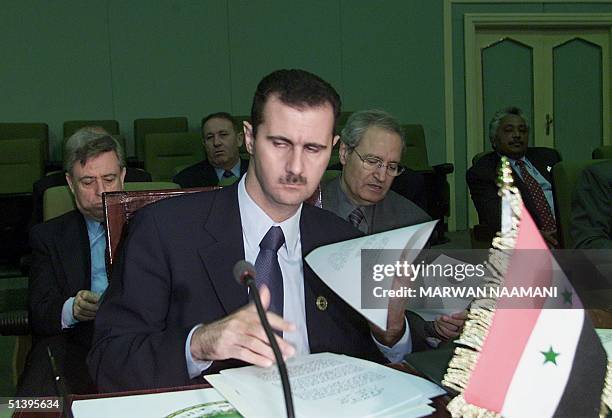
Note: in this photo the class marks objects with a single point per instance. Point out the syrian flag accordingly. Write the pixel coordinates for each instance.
(544, 361)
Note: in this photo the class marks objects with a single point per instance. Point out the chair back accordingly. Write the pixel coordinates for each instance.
(59, 200)
(21, 164)
(120, 207)
(602, 152)
(565, 174)
(415, 154)
(163, 152)
(27, 130)
(142, 127)
(71, 126)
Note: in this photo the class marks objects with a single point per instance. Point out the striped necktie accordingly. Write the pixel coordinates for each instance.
(537, 196)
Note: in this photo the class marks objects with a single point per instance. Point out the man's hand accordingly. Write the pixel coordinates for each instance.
(85, 305)
(550, 237)
(448, 327)
(396, 317)
(241, 336)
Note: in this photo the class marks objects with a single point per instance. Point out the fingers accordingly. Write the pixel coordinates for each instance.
(241, 336)
(85, 305)
(450, 326)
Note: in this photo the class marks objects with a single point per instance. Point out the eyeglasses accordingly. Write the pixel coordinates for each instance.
(372, 163)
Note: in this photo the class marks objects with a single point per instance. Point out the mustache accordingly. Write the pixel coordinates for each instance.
(295, 179)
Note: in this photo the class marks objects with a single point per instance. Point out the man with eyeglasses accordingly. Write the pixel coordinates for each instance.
(370, 152)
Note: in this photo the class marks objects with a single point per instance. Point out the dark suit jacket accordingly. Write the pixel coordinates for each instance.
(591, 225)
(482, 181)
(176, 272)
(394, 211)
(60, 268)
(59, 179)
(202, 174)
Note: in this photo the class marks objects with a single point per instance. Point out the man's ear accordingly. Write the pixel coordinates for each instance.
(248, 137)
(335, 140)
(240, 139)
(344, 151)
(123, 171)
(69, 181)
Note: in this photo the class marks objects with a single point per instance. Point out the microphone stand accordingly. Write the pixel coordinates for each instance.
(282, 367)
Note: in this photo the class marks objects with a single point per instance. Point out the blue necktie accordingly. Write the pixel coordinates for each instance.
(268, 269)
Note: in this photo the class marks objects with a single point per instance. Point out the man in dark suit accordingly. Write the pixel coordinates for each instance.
(591, 224)
(68, 272)
(222, 141)
(509, 135)
(177, 313)
(371, 147)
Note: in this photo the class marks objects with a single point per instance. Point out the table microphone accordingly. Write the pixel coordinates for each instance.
(244, 273)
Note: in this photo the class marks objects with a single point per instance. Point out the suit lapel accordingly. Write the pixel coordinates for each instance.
(227, 248)
(317, 321)
(539, 163)
(73, 247)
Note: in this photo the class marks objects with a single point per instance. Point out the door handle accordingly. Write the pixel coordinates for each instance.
(549, 122)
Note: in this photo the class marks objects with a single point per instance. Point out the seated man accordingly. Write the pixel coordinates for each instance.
(59, 179)
(68, 273)
(371, 147)
(174, 311)
(222, 143)
(591, 224)
(370, 150)
(531, 167)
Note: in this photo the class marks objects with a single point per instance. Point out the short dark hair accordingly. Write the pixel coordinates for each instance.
(219, 115)
(295, 88)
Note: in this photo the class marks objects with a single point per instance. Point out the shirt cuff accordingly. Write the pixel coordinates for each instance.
(68, 320)
(194, 367)
(397, 353)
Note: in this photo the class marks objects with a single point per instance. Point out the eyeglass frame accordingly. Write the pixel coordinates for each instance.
(378, 165)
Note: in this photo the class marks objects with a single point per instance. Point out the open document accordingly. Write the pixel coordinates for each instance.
(181, 404)
(327, 385)
(339, 265)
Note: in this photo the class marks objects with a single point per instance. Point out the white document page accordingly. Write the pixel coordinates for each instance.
(429, 313)
(324, 385)
(181, 404)
(339, 265)
(605, 335)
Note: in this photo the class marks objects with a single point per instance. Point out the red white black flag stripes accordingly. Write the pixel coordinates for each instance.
(538, 362)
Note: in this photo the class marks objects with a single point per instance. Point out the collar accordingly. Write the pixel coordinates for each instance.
(235, 170)
(256, 223)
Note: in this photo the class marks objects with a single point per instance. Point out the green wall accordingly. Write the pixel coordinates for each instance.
(116, 59)
(86, 59)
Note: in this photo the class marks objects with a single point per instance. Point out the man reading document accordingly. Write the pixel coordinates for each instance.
(174, 312)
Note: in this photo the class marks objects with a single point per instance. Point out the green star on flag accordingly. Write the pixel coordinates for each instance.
(567, 296)
(550, 356)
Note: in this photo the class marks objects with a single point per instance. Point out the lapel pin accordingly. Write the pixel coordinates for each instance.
(548, 168)
(321, 303)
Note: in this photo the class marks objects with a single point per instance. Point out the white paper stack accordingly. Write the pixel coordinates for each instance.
(327, 385)
(181, 404)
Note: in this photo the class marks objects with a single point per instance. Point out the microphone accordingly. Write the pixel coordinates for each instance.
(244, 273)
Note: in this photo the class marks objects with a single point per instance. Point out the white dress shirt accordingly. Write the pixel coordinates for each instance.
(255, 224)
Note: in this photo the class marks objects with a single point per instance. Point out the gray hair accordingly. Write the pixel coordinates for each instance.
(359, 122)
(502, 113)
(89, 142)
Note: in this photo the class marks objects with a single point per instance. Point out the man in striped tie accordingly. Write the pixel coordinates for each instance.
(509, 136)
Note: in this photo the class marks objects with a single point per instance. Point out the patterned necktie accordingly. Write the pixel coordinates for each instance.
(227, 174)
(537, 195)
(268, 269)
(355, 217)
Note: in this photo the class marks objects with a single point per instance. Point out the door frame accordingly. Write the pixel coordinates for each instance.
(449, 96)
(473, 22)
